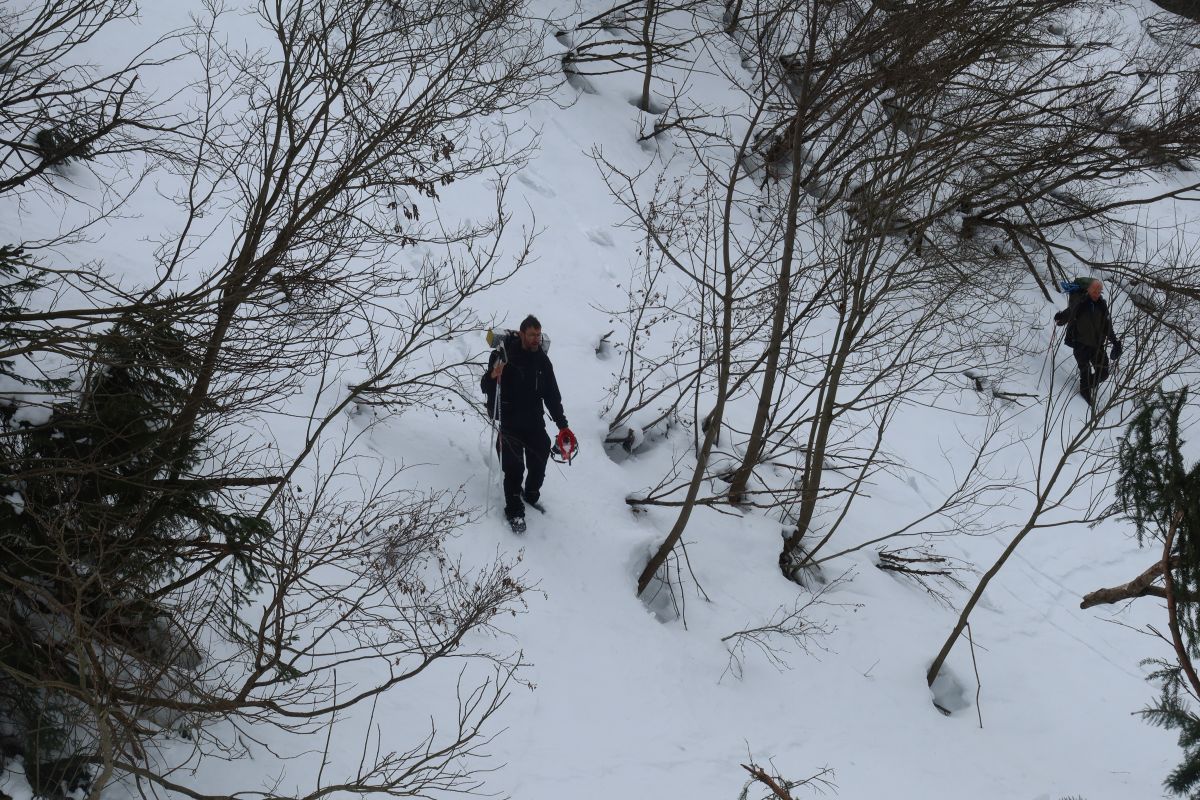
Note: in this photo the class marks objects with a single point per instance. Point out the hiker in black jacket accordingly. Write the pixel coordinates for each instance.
(1089, 326)
(525, 377)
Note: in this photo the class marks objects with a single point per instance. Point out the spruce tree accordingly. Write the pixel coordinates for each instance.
(1161, 496)
(20, 277)
(99, 509)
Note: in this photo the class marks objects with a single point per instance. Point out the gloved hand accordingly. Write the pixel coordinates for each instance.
(1115, 352)
(566, 443)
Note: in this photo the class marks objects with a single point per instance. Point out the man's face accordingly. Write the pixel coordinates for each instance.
(531, 338)
(1094, 289)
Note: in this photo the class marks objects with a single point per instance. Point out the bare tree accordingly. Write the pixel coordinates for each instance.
(790, 625)
(653, 383)
(1072, 463)
(172, 571)
(636, 35)
(918, 150)
(55, 109)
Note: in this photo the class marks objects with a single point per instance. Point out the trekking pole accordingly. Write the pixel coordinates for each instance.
(1113, 363)
(1049, 360)
(495, 446)
(495, 415)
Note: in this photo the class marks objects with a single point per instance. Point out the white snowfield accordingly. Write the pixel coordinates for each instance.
(628, 698)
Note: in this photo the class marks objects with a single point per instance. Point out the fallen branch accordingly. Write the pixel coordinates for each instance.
(1011, 396)
(762, 777)
(984, 385)
(1141, 586)
(930, 570)
(782, 788)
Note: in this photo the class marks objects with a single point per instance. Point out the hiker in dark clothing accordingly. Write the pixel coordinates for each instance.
(525, 378)
(1089, 326)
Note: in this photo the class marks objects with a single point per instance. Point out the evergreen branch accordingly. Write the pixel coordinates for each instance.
(1181, 652)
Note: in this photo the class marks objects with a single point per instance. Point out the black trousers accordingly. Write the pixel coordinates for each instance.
(1093, 367)
(521, 450)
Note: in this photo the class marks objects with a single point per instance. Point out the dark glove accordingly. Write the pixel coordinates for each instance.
(1115, 352)
(1060, 318)
(566, 443)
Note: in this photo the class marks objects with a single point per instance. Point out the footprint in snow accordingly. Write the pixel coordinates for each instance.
(533, 183)
(912, 484)
(600, 237)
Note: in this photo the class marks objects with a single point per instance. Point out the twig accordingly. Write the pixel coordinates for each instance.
(978, 683)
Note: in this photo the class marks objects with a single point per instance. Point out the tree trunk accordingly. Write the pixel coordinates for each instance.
(1181, 650)
(648, 44)
(733, 14)
(818, 439)
(1082, 435)
(710, 435)
(754, 447)
(725, 365)
(936, 666)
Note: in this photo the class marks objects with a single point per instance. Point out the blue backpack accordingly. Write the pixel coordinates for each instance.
(1076, 291)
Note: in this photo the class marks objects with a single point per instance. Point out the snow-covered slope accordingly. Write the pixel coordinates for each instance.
(626, 699)
(628, 704)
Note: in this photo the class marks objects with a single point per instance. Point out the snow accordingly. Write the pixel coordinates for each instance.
(32, 415)
(629, 699)
(629, 705)
(15, 500)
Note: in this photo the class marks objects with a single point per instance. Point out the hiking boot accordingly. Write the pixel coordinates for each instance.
(513, 507)
(531, 497)
(517, 524)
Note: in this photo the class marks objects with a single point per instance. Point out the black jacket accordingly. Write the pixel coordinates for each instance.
(1088, 323)
(527, 383)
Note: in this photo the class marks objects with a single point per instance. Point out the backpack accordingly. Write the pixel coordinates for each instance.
(1076, 291)
(1075, 286)
(496, 338)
